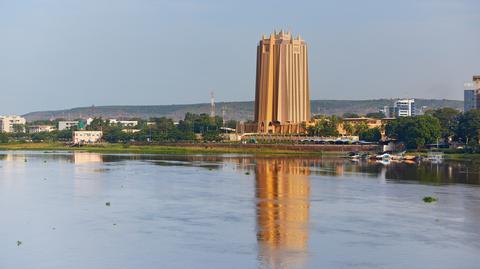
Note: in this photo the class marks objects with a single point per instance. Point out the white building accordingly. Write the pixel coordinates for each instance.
(68, 124)
(89, 121)
(125, 123)
(86, 137)
(40, 128)
(471, 94)
(404, 108)
(7, 123)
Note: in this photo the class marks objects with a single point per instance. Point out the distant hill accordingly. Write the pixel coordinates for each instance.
(233, 110)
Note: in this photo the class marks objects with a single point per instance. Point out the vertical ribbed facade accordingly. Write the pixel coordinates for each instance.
(282, 84)
(476, 83)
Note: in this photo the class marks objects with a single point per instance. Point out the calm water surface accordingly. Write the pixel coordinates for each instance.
(234, 212)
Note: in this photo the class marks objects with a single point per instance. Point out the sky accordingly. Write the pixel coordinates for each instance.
(57, 54)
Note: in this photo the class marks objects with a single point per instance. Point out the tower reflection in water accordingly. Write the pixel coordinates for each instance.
(282, 192)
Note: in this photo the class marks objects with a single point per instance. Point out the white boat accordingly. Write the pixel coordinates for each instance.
(384, 156)
(435, 157)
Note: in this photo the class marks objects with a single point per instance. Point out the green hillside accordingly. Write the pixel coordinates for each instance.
(232, 110)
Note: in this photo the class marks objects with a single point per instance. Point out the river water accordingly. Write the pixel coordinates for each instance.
(86, 210)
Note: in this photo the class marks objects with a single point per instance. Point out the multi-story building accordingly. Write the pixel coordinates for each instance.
(388, 111)
(40, 128)
(404, 108)
(469, 97)
(471, 94)
(125, 123)
(476, 83)
(8, 123)
(86, 137)
(282, 100)
(66, 125)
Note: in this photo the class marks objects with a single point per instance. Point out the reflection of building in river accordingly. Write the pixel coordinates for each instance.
(86, 157)
(89, 178)
(283, 191)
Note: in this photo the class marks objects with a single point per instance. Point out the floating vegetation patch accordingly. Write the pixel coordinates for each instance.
(429, 199)
(101, 170)
(207, 165)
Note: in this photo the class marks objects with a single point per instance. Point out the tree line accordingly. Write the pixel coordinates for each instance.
(193, 127)
(444, 125)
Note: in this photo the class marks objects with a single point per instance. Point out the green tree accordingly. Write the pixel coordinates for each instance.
(18, 128)
(349, 128)
(325, 126)
(415, 132)
(231, 124)
(376, 115)
(4, 138)
(115, 134)
(350, 115)
(371, 135)
(43, 137)
(64, 135)
(360, 128)
(98, 124)
(214, 136)
(469, 126)
(448, 118)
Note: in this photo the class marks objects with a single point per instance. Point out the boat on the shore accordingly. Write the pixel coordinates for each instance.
(358, 156)
(385, 156)
(401, 156)
(435, 157)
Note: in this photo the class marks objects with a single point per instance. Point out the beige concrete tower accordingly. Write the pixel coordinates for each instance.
(282, 85)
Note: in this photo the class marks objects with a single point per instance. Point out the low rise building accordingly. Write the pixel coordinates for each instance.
(40, 128)
(8, 124)
(124, 123)
(87, 137)
(369, 122)
(67, 125)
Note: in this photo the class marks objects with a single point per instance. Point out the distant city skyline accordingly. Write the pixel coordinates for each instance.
(60, 54)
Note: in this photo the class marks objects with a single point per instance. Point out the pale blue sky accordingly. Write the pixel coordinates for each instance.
(58, 54)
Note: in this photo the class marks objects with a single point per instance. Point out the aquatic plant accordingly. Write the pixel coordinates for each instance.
(429, 199)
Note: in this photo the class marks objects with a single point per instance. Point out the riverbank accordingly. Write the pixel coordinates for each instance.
(451, 156)
(179, 149)
(217, 148)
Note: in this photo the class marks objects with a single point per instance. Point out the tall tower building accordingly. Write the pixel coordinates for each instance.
(282, 87)
(469, 97)
(472, 94)
(476, 82)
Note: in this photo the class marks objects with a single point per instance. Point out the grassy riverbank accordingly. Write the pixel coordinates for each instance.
(453, 156)
(164, 149)
(199, 149)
